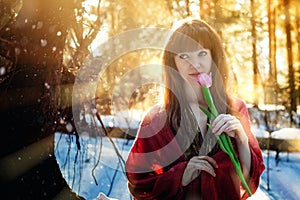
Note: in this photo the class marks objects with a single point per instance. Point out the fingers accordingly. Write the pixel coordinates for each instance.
(203, 166)
(196, 165)
(208, 159)
(204, 163)
(225, 123)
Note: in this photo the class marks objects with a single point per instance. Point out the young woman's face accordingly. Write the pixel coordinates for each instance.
(191, 64)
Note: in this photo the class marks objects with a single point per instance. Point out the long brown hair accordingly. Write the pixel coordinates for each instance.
(188, 36)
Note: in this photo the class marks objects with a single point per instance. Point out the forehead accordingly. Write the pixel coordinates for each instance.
(181, 43)
(190, 37)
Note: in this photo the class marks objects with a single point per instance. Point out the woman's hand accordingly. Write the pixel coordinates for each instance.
(231, 125)
(196, 165)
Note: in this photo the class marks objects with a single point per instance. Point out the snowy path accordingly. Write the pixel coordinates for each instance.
(77, 168)
(284, 178)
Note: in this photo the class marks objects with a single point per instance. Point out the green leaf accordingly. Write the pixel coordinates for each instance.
(209, 125)
(207, 113)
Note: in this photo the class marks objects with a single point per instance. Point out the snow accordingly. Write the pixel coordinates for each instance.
(286, 133)
(78, 167)
(122, 119)
(259, 132)
(284, 177)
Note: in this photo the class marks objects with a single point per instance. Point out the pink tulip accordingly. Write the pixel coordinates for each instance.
(205, 79)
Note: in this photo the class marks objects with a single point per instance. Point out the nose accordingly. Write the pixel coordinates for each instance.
(195, 62)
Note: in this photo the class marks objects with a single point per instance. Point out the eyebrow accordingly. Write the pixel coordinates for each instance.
(192, 51)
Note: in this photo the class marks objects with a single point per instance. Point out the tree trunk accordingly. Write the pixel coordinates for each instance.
(289, 47)
(254, 54)
(298, 43)
(29, 109)
(187, 4)
(272, 48)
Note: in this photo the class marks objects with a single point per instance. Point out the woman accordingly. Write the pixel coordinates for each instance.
(175, 155)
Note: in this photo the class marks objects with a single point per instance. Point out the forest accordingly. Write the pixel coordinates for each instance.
(61, 61)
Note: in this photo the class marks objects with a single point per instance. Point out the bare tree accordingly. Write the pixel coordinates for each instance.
(297, 19)
(291, 74)
(254, 52)
(272, 46)
(35, 93)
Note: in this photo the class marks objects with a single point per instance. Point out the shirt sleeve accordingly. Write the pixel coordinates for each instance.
(257, 163)
(155, 166)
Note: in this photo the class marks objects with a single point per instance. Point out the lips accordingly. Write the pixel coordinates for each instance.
(194, 74)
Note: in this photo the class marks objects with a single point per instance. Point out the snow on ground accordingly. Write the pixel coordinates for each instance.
(82, 171)
(286, 133)
(284, 178)
(79, 166)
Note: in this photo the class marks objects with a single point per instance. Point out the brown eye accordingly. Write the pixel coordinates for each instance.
(183, 56)
(202, 53)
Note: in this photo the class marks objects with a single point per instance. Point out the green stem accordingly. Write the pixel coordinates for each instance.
(209, 101)
(239, 172)
(224, 140)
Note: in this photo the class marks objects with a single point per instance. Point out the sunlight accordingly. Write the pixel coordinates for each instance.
(238, 6)
(21, 161)
(281, 64)
(101, 37)
(264, 70)
(91, 10)
(240, 1)
(87, 4)
(136, 114)
(90, 17)
(195, 9)
(245, 91)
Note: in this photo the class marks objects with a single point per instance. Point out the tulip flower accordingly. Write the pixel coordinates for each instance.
(205, 81)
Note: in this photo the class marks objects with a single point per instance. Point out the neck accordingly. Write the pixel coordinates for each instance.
(195, 97)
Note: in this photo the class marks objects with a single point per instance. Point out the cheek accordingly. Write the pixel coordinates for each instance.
(180, 66)
(181, 72)
(208, 65)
